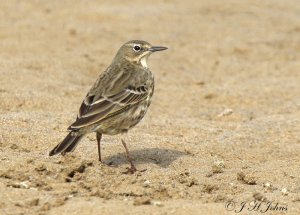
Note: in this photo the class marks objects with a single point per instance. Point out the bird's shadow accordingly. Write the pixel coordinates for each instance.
(158, 156)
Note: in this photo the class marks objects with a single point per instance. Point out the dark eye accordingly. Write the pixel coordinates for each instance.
(136, 48)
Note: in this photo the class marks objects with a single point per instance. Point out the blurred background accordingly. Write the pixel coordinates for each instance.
(227, 93)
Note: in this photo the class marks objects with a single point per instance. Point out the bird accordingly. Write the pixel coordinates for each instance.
(117, 101)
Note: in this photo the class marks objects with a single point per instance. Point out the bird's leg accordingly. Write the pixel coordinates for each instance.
(132, 168)
(99, 136)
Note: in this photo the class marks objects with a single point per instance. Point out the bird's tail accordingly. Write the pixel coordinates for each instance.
(67, 145)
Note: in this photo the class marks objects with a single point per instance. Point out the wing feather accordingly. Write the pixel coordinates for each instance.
(91, 111)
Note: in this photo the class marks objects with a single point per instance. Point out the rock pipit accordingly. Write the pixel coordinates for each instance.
(117, 101)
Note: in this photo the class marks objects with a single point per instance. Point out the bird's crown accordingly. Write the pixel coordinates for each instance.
(137, 51)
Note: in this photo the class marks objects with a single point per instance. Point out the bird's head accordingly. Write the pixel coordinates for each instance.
(137, 51)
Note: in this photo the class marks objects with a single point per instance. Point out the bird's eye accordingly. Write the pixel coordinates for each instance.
(136, 48)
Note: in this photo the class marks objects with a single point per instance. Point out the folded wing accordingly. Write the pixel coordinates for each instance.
(92, 111)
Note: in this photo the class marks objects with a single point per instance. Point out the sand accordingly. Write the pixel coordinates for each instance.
(223, 127)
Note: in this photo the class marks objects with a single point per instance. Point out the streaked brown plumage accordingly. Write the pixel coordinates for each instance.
(118, 100)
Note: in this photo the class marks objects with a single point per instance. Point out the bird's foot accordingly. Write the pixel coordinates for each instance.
(132, 170)
(107, 163)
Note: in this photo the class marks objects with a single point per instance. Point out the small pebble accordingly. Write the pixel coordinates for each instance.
(24, 184)
(267, 186)
(146, 183)
(226, 112)
(158, 203)
(218, 166)
(284, 191)
(142, 201)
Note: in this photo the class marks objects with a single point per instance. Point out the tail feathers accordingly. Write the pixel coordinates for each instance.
(67, 145)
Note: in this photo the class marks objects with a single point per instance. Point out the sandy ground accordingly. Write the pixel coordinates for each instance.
(238, 55)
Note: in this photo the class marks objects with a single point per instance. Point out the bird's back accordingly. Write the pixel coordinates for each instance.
(119, 76)
(117, 101)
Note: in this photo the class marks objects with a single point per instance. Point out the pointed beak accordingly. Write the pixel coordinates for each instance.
(157, 48)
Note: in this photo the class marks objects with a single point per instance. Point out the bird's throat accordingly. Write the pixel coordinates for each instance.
(144, 61)
(141, 60)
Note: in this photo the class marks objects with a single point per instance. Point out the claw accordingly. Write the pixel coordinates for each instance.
(132, 170)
